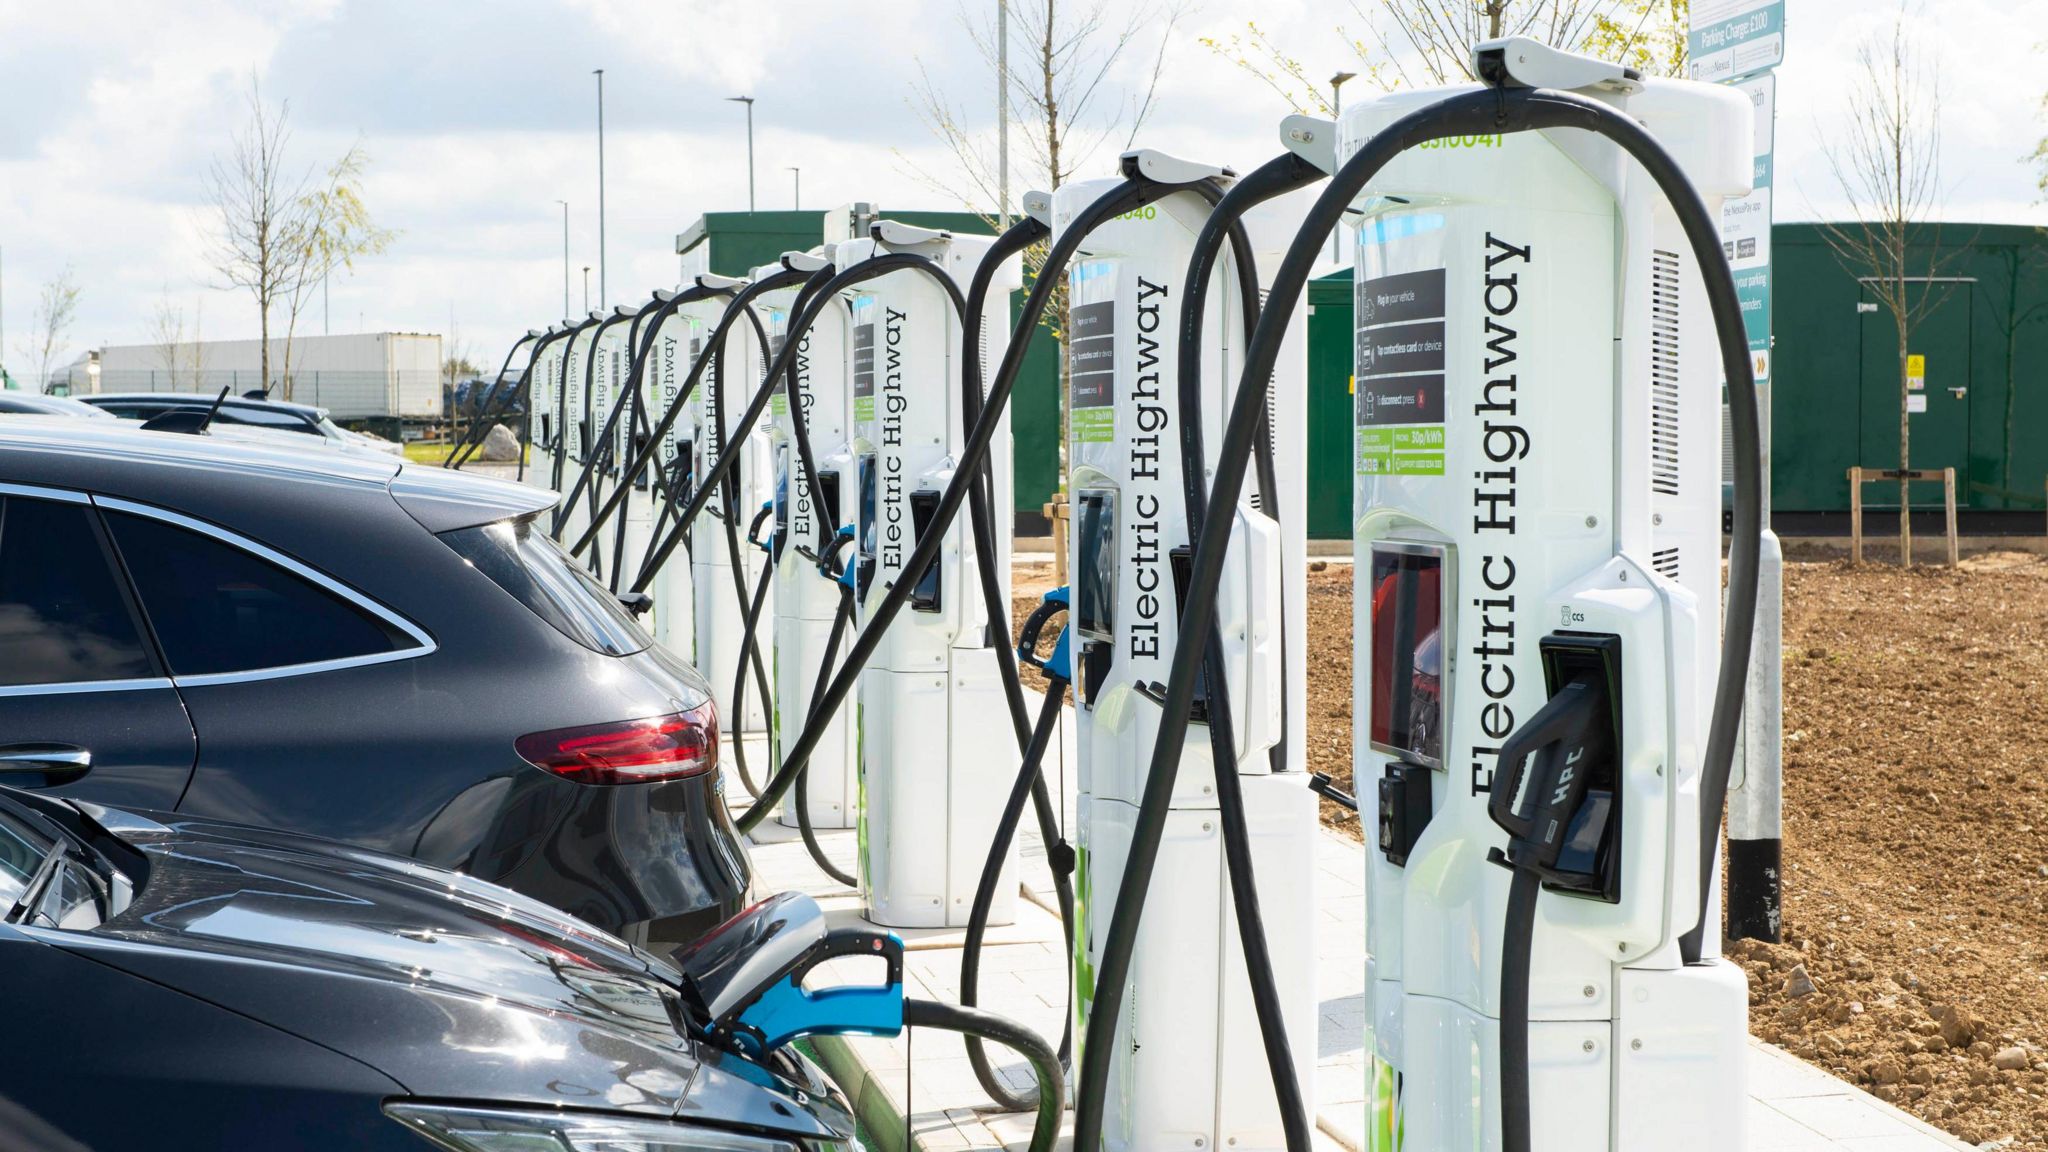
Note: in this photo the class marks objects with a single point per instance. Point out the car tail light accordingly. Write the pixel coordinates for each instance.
(668, 747)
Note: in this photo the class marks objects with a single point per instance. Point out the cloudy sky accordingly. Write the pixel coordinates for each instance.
(480, 116)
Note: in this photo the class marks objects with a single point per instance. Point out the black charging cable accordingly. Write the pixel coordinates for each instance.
(1483, 111)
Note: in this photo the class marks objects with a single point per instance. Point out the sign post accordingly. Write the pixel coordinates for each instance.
(1739, 43)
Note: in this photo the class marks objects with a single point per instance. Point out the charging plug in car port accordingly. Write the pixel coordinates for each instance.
(1556, 786)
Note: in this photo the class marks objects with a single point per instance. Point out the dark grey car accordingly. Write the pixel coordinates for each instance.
(347, 646)
(180, 984)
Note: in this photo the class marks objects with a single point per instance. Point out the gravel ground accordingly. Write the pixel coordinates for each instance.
(1915, 960)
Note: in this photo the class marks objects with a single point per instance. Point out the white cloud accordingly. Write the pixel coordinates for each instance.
(480, 116)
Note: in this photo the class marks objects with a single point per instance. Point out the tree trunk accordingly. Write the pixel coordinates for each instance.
(263, 355)
(1905, 458)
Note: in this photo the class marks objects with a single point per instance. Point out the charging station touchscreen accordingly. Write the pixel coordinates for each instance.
(1407, 653)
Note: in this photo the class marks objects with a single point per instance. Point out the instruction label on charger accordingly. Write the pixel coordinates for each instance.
(1091, 351)
(1398, 389)
(864, 370)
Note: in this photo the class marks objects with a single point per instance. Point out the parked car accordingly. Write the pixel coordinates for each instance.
(391, 655)
(274, 415)
(36, 404)
(175, 983)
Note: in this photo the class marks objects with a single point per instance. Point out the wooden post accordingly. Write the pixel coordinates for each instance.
(1056, 515)
(1856, 515)
(1948, 500)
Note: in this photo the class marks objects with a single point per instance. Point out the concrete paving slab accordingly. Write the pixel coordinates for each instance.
(917, 1090)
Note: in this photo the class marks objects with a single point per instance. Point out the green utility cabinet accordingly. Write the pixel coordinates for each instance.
(1983, 348)
(1329, 407)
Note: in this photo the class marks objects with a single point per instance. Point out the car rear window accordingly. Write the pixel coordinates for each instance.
(523, 560)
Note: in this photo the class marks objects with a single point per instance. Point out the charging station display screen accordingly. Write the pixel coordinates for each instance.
(1406, 585)
(1095, 565)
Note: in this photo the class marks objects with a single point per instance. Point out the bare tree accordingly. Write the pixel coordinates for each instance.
(1885, 158)
(195, 349)
(1417, 43)
(167, 334)
(280, 230)
(1080, 81)
(261, 242)
(338, 229)
(56, 309)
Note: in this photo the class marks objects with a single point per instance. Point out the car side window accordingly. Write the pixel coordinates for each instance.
(63, 617)
(218, 609)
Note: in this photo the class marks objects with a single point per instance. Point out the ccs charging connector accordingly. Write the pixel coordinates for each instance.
(1556, 792)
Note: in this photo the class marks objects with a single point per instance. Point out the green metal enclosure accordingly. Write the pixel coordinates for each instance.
(1835, 372)
(1835, 375)
(1983, 405)
(738, 242)
(1329, 407)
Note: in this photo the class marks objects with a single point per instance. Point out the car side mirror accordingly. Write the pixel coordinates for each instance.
(636, 602)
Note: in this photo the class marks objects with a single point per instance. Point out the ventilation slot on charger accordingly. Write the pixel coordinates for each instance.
(1665, 561)
(1664, 373)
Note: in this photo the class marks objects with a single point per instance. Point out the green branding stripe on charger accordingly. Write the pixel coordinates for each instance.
(1412, 450)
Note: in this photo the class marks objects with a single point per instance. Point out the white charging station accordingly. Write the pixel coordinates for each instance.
(677, 345)
(1537, 472)
(543, 385)
(571, 405)
(736, 369)
(936, 745)
(806, 602)
(1189, 1065)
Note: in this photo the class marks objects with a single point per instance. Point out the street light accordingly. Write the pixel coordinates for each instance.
(796, 196)
(749, 102)
(1337, 112)
(565, 256)
(601, 290)
(586, 288)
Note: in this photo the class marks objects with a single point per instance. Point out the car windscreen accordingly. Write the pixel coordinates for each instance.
(520, 558)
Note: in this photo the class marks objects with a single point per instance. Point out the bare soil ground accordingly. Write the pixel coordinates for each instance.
(1916, 829)
(1916, 840)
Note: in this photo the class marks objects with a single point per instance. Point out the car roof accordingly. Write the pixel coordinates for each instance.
(121, 441)
(439, 499)
(36, 403)
(202, 400)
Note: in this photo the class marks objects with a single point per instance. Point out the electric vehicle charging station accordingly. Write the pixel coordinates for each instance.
(931, 784)
(570, 405)
(1188, 1060)
(806, 600)
(720, 627)
(637, 511)
(1538, 572)
(543, 382)
(677, 344)
(605, 371)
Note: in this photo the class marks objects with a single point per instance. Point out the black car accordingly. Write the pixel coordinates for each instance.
(247, 411)
(182, 984)
(389, 655)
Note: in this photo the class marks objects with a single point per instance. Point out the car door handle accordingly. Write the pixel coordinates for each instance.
(54, 763)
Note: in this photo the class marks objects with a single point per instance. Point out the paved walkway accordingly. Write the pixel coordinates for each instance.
(925, 1076)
